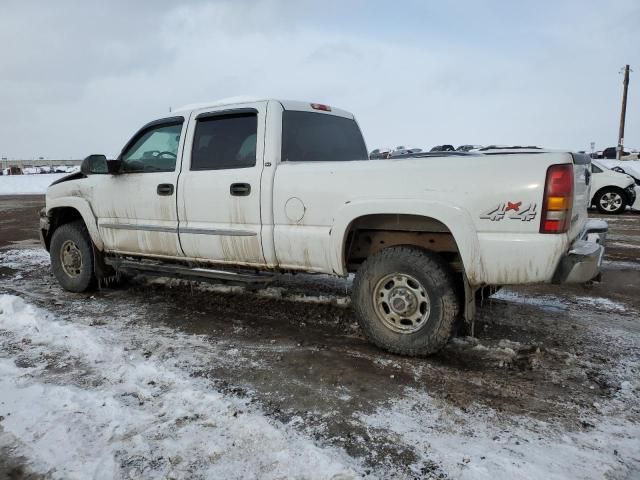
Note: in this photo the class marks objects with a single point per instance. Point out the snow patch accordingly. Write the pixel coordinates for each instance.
(28, 184)
(601, 303)
(470, 445)
(539, 300)
(24, 259)
(145, 418)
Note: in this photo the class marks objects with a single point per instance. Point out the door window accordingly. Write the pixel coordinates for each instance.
(154, 150)
(225, 141)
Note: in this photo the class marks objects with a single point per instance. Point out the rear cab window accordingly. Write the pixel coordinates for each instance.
(320, 137)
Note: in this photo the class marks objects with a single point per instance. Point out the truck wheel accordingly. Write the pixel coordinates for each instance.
(405, 301)
(72, 257)
(611, 200)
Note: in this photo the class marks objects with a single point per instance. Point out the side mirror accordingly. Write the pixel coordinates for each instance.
(94, 164)
(114, 166)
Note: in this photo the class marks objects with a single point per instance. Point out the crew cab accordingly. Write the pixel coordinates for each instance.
(245, 191)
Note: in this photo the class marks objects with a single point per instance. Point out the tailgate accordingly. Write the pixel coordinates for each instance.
(581, 193)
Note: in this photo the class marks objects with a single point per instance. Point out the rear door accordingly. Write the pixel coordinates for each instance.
(219, 186)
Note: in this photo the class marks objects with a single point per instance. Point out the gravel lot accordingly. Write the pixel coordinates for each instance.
(162, 379)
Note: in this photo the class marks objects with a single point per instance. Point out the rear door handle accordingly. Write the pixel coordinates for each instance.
(240, 189)
(165, 189)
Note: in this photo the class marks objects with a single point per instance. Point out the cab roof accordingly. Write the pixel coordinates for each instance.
(286, 104)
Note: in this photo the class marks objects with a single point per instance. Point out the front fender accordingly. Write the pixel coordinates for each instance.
(84, 208)
(455, 218)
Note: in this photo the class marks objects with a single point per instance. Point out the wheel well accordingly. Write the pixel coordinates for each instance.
(369, 234)
(59, 216)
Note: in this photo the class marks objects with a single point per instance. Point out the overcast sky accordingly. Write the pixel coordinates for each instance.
(80, 77)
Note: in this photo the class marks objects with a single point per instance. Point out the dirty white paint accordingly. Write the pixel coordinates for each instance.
(297, 215)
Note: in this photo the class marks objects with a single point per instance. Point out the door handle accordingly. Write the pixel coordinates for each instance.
(240, 189)
(165, 189)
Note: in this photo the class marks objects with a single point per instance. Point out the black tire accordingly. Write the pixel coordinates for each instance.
(435, 280)
(73, 275)
(604, 198)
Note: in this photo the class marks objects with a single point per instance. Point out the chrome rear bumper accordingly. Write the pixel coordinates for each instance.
(583, 260)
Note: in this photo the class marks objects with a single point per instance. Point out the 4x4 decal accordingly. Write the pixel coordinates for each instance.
(512, 210)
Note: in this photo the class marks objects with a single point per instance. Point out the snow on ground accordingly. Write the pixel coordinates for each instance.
(476, 445)
(26, 259)
(548, 301)
(129, 416)
(27, 184)
(96, 392)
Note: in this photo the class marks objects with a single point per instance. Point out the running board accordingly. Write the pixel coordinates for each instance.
(185, 272)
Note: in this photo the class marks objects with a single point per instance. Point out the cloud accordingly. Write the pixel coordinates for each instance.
(80, 78)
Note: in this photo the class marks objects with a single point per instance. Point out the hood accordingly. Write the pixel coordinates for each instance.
(72, 176)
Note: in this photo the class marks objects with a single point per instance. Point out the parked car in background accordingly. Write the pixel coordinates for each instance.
(403, 151)
(610, 153)
(379, 153)
(468, 148)
(13, 170)
(612, 192)
(443, 148)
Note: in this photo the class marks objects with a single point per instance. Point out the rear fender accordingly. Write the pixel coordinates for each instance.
(456, 219)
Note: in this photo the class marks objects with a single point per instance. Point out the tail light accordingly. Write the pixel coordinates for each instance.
(320, 106)
(558, 199)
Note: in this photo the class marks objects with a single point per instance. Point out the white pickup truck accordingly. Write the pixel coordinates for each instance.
(242, 192)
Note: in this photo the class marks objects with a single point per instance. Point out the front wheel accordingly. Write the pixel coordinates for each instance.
(405, 301)
(72, 257)
(611, 200)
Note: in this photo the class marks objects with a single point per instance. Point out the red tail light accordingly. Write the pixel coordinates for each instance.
(320, 106)
(558, 199)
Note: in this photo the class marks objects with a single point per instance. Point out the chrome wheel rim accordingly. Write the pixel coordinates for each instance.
(611, 201)
(71, 258)
(401, 303)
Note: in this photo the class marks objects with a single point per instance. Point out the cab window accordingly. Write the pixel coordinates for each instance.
(155, 149)
(225, 141)
(317, 137)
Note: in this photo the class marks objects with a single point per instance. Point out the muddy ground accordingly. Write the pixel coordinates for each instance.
(564, 358)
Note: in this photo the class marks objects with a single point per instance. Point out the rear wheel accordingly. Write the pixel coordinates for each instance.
(72, 257)
(405, 301)
(611, 200)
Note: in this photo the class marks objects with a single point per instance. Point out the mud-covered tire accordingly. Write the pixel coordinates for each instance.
(611, 201)
(72, 257)
(435, 280)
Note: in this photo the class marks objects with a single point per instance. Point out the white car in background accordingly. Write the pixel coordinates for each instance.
(612, 192)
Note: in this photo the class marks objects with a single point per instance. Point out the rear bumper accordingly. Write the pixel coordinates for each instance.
(583, 260)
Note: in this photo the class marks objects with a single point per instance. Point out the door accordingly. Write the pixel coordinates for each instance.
(136, 209)
(219, 187)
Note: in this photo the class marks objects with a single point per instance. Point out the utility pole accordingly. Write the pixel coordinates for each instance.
(623, 113)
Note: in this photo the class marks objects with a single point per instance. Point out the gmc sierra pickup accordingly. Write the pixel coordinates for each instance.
(243, 191)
